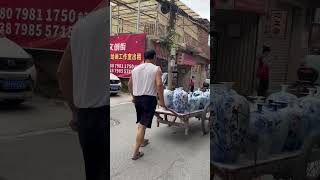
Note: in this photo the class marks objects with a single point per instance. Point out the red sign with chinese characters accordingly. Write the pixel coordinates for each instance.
(126, 52)
(39, 24)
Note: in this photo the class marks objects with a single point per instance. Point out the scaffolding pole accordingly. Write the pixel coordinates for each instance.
(110, 19)
(138, 16)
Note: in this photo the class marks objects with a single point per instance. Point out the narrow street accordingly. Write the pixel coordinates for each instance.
(170, 155)
(36, 144)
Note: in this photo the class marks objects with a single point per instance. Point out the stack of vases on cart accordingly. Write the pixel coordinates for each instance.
(182, 102)
(279, 124)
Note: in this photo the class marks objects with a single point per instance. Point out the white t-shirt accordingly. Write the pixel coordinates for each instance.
(144, 80)
(89, 47)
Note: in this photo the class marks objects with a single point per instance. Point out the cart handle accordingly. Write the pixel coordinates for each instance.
(170, 110)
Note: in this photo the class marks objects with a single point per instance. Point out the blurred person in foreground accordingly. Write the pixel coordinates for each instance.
(144, 85)
(263, 71)
(83, 78)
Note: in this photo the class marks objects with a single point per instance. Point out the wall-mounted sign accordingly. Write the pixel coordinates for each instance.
(126, 52)
(195, 69)
(278, 23)
(185, 59)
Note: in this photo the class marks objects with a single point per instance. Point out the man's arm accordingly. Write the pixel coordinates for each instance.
(160, 88)
(65, 78)
(130, 87)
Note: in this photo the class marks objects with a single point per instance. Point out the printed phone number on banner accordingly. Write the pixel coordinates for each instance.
(121, 71)
(47, 15)
(123, 66)
(35, 30)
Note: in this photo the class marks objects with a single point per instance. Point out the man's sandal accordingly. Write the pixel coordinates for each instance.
(137, 156)
(145, 143)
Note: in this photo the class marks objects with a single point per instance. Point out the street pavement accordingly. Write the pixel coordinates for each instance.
(170, 156)
(35, 143)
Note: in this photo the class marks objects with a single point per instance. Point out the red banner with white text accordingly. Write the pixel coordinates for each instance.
(38, 24)
(126, 52)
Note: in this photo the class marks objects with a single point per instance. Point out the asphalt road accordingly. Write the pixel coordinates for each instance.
(170, 156)
(36, 144)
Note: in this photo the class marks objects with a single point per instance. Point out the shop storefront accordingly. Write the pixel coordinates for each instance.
(237, 26)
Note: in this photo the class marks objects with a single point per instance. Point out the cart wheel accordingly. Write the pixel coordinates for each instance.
(205, 120)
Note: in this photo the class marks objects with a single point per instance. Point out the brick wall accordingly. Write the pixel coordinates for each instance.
(203, 38)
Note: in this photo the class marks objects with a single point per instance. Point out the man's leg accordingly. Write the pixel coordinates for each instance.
(93, 139)
(260, 88)
(139, 138)
(84, 137)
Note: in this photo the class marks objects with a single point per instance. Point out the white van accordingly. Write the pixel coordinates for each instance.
(17, 72)
(115, 84)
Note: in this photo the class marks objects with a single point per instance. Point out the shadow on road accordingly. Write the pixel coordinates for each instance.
(176, 134)
(11, 107)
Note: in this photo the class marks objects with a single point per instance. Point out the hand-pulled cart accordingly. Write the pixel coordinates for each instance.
(169, 117)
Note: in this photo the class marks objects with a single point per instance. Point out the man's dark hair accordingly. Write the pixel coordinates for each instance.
(149, 54)
(266, 49)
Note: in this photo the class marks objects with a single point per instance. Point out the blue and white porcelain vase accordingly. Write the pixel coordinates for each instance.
(180, 100)
(310, 106)
(317, 94)
(229, 126)
(168, 98)
(292, 114)
(193, 102)
(280, 129)
(207, 97)
(283, 97)
(260, 133)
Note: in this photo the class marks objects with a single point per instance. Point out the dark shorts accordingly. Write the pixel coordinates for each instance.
(145, 108)
(192, 88)
(263, 87)
(93, 126)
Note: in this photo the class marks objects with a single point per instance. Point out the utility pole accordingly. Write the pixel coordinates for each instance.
(171, 40)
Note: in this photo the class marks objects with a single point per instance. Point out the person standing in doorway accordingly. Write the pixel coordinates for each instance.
(191, 84)
(263, 71)
(83, 79)
(144, 85)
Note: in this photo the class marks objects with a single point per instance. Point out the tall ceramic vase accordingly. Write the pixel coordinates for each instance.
(311, 112)
(283, 97)
(230, 124)
(180, 100)
(168, 98)
(260, 133)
